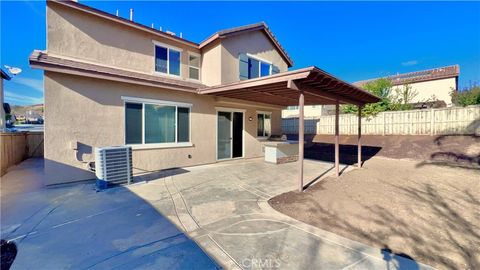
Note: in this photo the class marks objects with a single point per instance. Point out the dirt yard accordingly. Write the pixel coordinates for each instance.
(430, 213)
(445, 150)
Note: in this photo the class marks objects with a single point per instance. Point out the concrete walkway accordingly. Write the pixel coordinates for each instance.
(224, 208)
(74, 227)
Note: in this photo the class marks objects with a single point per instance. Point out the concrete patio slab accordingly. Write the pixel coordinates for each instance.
(74, 226)
(224, 208)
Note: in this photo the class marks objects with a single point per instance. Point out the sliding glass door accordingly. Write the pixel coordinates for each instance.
(229, 135)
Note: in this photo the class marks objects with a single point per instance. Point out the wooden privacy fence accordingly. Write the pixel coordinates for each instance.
(453, 120)
(18, 146)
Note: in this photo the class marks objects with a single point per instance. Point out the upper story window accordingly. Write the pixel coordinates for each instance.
(253, 67)
(194, 66)
(167, 59)
(156, 122)
(292, 108)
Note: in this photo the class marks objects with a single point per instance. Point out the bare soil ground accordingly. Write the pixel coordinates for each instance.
(428, 209)
(445, 150)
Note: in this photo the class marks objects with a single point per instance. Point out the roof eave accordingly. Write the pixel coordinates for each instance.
(108, 16)
(5, 76)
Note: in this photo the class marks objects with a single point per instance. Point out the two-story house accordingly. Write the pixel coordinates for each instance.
(112, 81)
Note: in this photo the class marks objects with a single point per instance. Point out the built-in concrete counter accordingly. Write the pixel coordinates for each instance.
(281, 151)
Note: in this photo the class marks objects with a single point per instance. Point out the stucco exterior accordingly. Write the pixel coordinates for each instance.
(82, 113)
(255, 44)
(212, 64)
(434, 89)
(90, 113)
(75, 34)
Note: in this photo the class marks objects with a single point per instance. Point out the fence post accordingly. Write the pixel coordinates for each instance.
(432, 121)
(384, 124)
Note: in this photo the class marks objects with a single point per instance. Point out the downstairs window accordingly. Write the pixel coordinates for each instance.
(156, 122)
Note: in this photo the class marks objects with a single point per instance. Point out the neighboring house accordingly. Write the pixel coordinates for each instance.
(111, 81)
(33, 117)
(4, 76)
(431, 84)
(433, 87)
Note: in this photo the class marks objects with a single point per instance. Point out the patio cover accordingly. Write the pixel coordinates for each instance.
(307, 86)
(283, 89)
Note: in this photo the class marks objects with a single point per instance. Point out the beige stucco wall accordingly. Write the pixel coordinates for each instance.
(212, 64)
(309, 111)
(78, 35)
(91, 112)
(254, 43)
(75, 34)
(439, 88)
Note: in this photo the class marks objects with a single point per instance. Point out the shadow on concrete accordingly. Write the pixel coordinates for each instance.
(146, 175)
(398, 261)
(8, 251)
(73, 225)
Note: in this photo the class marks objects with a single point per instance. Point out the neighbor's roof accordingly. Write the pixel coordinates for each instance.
(262, 26)
(419, 76)
(5, 75)
(218, 35)
(318, 86)
(42, 60)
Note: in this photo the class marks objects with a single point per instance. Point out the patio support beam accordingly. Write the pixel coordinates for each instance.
(337, 146)
(359, 139)
(301, 135)
(301, 130)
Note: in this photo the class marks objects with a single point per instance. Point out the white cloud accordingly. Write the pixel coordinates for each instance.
(410, 63)
(35, 84)
(14, 98)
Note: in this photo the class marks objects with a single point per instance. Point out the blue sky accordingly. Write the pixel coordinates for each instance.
(352, 40)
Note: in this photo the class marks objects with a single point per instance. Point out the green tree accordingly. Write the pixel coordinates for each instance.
(469, 96)
(382, 88)
(403, 98)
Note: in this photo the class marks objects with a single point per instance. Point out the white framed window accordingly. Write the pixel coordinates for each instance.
(167, 59)
(264, 124)
(253, 67)
(193, 66)
(156, 123)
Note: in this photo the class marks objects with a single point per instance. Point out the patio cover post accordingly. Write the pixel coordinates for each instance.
(301, 135)
(337, 148)
(359, 139)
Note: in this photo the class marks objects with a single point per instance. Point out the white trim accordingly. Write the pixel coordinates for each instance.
(231, 111)
(270, 131)
(264, 112)
(258, 58)
(168, 47)
(160, 145)
(190, 66)
(158, 43)
(144, 101)
(224, 109)
(156, 101)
